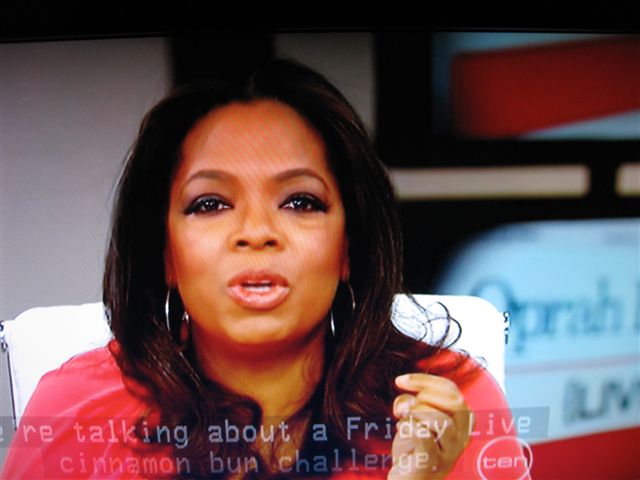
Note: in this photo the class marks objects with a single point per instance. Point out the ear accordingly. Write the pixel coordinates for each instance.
(345, 271)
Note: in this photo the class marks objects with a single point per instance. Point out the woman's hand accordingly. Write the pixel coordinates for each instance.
(433, 427)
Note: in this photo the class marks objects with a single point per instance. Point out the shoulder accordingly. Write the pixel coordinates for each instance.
(88, 384)
(73, 416)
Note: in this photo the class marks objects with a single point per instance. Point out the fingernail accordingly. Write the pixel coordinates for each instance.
(406, 378)
(405, 406)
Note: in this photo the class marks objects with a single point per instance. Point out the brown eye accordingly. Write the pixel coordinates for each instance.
(304, 203)
(208, 204)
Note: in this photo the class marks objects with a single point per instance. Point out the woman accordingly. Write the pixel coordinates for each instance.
(254, 257)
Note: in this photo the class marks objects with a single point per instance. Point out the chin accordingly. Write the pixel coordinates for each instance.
(270, 332)
(262, 334)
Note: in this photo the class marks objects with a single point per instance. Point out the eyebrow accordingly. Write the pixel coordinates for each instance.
(299, 172)
(212, 174)
(280, 177)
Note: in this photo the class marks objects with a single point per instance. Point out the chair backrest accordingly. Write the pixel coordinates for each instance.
(470, 324)
(41, 339)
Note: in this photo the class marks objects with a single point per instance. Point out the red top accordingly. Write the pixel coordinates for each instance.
(79, 419)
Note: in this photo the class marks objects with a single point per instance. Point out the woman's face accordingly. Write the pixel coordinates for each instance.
(256, 240)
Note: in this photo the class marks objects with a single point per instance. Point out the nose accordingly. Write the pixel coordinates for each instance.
(258, 229)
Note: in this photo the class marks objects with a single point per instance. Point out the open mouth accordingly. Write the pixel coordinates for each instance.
(258, 289)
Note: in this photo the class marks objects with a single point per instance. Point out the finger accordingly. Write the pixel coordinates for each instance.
(413, 454)
(412, 437)
(455, 406)
(436, 421)
(431, 426)
(412, 467)
(402, 471)
(447, 425)
(403, 444)
(415, 382)
(402, 404)
(405, 403)
(446, 398)
(450, 427)
(439, 392)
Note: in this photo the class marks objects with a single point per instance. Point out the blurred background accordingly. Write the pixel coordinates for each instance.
(515, 156)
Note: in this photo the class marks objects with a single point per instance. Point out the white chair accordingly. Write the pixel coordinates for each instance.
(474, 325)
(41, 339)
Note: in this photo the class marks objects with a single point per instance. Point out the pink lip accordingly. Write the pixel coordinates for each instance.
(258, 289)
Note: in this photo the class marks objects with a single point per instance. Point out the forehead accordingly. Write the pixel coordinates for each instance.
(243, 135)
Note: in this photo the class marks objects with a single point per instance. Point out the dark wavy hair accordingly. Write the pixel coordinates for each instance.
(367, 351)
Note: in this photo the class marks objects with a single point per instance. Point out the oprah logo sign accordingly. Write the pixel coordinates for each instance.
(505, 458)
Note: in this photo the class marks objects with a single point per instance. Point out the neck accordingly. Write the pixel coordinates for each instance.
(281, 379)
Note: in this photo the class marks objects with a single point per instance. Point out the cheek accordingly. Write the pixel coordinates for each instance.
(194, 252)
(323, 269)
(325, 251)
